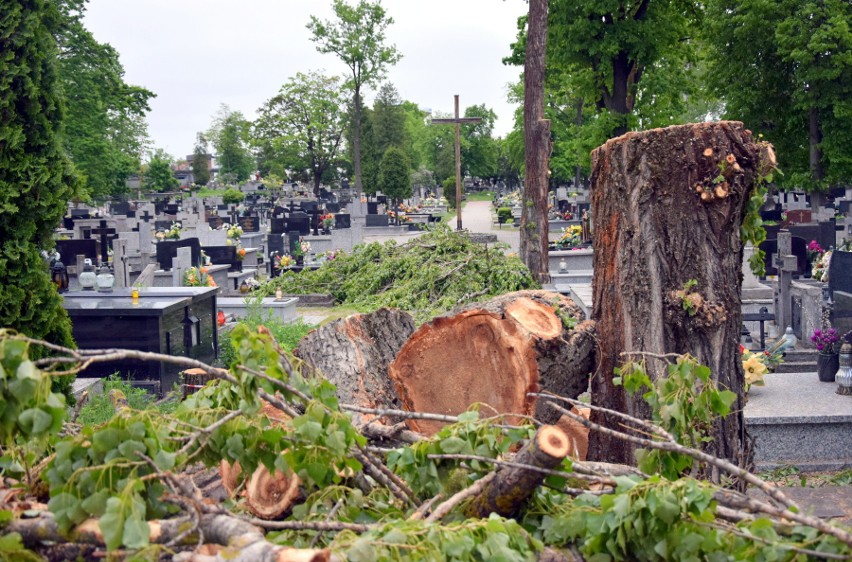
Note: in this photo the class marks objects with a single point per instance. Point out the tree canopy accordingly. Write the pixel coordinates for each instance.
(357, 37)
(158, 173)
(395, 174)
(303, 125)
(230, 136)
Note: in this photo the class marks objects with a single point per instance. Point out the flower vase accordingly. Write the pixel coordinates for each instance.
(300, 260)
(827, 366)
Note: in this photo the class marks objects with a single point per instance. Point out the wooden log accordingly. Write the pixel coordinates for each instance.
(269, 495)
(495, 353)
(507, 492)
(667, 206)
(354, 354)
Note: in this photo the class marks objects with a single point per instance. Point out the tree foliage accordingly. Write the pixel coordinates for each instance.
(200, 161)
(303, 125)
(230, 136)
(357, 37)
(36, 178)
(395, 174)
(158, 174)
(105, 131)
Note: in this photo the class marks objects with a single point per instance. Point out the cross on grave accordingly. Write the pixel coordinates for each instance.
(787, 264)
(315, 214)
(106, 236)
(457, 121)
(145, 216)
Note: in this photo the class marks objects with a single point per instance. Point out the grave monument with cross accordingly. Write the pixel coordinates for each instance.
(106, 235)
(457, 121)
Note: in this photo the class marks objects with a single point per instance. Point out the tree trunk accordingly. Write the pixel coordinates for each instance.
(654, 232)
(507, 492)
(354, 354)
(495, 353)
(356, 145)
(534, 229)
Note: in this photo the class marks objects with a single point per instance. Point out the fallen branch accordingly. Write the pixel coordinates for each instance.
(474, 489)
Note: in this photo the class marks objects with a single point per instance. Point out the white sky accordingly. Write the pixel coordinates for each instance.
(198, 54)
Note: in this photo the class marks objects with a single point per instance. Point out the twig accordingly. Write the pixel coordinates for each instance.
(308, 525)
(79, 406)
(328, 519)
(381, 412)
(425, 507)
(208, 430)
(474, 489)
(549, 472)
(374, 471)
(391, 476)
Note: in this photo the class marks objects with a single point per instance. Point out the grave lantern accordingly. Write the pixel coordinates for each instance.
(843, 377)
(87, 277)
(191, 329)
(59, 275)
(105, 279)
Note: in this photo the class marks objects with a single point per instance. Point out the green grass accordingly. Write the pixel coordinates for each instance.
(99, 408)
(287, 335)
(480, 196)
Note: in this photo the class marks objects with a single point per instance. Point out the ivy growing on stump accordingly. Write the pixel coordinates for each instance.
(36, 178)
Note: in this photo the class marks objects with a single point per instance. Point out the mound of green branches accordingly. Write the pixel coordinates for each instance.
(426, 276)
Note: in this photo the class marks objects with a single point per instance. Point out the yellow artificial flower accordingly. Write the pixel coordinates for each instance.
(754, 370)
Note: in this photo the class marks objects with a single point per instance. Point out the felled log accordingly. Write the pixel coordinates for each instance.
(507, 492)
(577, 433)
(495, 353)
(354, 354)
(242, 541)
(268, 495)
(667, 207)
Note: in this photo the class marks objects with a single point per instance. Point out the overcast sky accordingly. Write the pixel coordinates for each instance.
(198, 54)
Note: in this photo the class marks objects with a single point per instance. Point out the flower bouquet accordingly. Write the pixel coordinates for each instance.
(819, 272)
(234, 232)
(241, 253)
(283, 262)
(754, 366)
(173, 232)
(825, 340)
(198, 277)
(570, 237)
(327, 221)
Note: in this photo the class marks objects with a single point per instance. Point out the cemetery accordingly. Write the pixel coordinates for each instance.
(340, 330)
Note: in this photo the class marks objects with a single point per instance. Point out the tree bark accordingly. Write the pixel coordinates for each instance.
(656, 228)
(495, 353)
(354, 354)
(534, 228)
(507, 492)
(356, 144)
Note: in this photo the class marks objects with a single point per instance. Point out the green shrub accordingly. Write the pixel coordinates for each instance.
(287, 335)
(233, 197)
(504, 215)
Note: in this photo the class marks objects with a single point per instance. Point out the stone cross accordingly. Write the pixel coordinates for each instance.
(786, 263)
(457, 121)
(120, 265)
(181, 263)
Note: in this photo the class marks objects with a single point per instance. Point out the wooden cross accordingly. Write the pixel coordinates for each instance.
(106, 235)
(457, 121)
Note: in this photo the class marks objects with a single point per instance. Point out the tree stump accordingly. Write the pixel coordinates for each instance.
(495, 353)
(667, 206)
(354, 354)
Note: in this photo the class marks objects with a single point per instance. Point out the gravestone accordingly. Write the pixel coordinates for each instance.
(162, 225)
(215, 222)
(377, 220)
(275, 244)
(119, 208)
(120, 265)
(382, 199)
(332, 207)
(105, 235)
(342, 220)
(224, 255)
(70, 249)
(80, 214)
(278, 225)
(167, 251)
(293, 242)
(372, 208)
(299, 221)
(172, 209)
(249, 223)
(309, 206)
(840, 272)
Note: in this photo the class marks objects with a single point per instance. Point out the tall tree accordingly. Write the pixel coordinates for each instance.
(230, 135)
(36, 178)
(200, 161)
(105, 131)
(479, 156)
(305, 123)
(389, 120)
(395, 175)
(534, 235)
(357, 37)
(159, 175)
(797, 89)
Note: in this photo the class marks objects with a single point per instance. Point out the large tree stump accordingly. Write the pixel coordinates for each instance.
(354, 354)
(667, 206)
(495, 353)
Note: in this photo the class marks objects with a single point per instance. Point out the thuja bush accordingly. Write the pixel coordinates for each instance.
(36, 178)
(426, 276)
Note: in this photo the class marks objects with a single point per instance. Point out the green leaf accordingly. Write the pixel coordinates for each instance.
(165, 460)
(34, 421)
(137, 533)
(112, 523)
(453, 445)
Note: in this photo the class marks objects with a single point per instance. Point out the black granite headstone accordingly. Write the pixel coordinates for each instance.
(342, 220)
(119, 208)
(377, 220)
(840, 272)
(162, 225)
(80, 213)
(249, 223)
(293, 242)
(332, 207)
(372, 208)
(215, 222)
(309, 206)
(171, 209)
(382, 199)
(300, 222)
(68, 223)
(275, 243)
(167, 251)
(278, 211)
(277, 225)
(70, 249)
(224, 255)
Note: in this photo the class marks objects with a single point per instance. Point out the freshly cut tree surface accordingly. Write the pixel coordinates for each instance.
(495, 353)
(354, 354)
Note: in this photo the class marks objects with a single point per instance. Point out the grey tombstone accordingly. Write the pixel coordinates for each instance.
(181, 263)
(120, 265)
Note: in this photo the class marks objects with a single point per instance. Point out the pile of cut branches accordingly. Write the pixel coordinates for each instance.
(426, 276)
(367, 492)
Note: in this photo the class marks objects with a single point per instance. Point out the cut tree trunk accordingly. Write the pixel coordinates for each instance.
(354, 354)
(269, 495)
(667, 206)
(507, 492)
(534, 227)
(495, 353)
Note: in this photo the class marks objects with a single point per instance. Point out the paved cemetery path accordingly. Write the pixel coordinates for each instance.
(477, 217)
